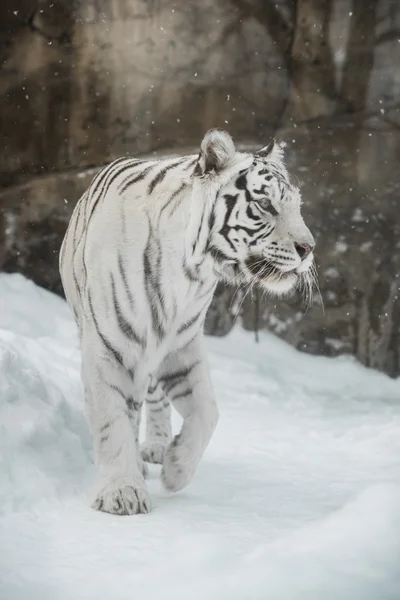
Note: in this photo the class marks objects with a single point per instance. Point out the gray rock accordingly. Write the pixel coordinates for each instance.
(83, 83)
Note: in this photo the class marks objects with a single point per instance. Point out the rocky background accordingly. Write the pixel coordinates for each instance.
(85, 81)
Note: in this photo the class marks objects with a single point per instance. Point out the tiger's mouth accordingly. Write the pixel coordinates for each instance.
(264, 270)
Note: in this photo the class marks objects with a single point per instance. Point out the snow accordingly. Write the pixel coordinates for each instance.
(297, 497)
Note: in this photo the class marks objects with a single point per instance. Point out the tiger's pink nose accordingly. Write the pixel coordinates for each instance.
(303, 250)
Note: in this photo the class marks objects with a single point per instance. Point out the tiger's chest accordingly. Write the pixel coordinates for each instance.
(185, 305)
(189, 302)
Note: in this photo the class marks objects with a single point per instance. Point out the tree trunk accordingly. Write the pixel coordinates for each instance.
(312, 83)
(359, 55)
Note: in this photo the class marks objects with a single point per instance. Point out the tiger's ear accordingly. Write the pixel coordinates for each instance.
(264, 152)
(273, 151)
(216, 151)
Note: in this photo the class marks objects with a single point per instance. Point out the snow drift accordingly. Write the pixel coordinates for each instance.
(297, 497)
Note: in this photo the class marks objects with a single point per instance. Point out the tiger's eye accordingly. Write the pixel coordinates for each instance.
(266, 206)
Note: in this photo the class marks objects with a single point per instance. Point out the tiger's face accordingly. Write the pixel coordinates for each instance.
(259, 234)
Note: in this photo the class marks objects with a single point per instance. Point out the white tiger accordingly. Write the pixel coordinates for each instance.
(145, 248)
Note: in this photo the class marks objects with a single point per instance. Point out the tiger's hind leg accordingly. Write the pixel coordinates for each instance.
(158, 424)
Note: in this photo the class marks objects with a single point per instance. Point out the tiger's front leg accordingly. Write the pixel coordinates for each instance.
(158, 424)
(113, 401)
(186, 380)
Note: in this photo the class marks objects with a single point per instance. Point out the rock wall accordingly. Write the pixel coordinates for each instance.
(82, 82)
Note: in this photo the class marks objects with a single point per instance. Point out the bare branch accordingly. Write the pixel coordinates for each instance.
(388, 36)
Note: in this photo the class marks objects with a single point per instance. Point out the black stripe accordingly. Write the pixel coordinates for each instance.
(79, 207)
(219, 255)
(83, 198)
(189, 323)
(133, 167)
(262, 236)
(117, 355)
(84, 265)
(250, 232)
(123, 323)
(190, 274)
(133, 162)
(174, 195)
(122, 206)
(207, 292)
(102, 174)
(82, 238)
(125, 281)
(262, 190)
(78, 289)
(250, 213)
(170, 380)
(230, 201)
(131, 180)
(157, 323)
(132, 404)
(105, 427)
(156, 401)
(111, 175)
(241, 181)
(76, 213)
(168, 377)
(118, 452)
(97, 194)
(266, 172)
(187, 344)
(241, 184)
(87, 200)
(199, 232)
(152, 389)
(152, 258)
(191, 163)
(176, 206)
(184, 394)
(211, 219)
(106, 185)
(116, 388)
(62, 249)
(211, 223)
(161, 174)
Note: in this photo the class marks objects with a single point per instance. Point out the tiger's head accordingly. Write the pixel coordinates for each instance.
(257, 232)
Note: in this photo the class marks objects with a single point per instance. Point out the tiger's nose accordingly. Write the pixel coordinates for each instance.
(303, 249)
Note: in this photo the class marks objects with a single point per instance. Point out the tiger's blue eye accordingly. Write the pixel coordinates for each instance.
(265, 205)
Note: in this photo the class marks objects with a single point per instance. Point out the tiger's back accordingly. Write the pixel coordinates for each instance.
(128, 208)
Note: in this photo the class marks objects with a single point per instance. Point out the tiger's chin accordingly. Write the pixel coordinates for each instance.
(271, 278)
(279, 285)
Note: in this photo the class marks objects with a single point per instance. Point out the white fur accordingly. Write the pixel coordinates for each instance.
(139, 265)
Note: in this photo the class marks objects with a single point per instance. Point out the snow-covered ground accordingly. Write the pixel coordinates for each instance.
(297, 497)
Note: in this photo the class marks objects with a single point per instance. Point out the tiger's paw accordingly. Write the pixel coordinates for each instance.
(153, 452)
(123, 499)
(178, 467)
